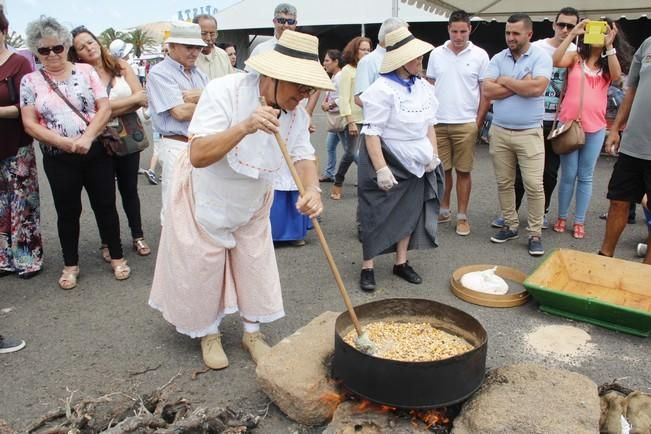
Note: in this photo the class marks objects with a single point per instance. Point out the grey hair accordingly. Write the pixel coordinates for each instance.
(388, 26)
(196, 19)
(285, 8)
(46, 27)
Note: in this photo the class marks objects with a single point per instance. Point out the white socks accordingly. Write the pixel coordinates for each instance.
(251, 327)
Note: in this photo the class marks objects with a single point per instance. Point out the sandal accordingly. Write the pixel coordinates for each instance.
(68, 279)
(335, 193)
(106, 255)
(560, 225)
(141, 247)
(579, 231)
(121, 271)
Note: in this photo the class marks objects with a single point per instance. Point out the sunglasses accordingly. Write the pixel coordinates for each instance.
(289, 21)
(45, 51)
(308, 90)
(568, 26)
(79, 29)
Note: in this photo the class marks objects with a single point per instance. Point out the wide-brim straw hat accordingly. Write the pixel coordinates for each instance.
(295, 58)
(402, 47)
(188, 34)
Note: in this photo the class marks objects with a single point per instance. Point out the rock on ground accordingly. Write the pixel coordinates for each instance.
(531, 399)
(294, 374)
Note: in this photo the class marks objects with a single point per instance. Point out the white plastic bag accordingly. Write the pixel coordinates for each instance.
(486, 281)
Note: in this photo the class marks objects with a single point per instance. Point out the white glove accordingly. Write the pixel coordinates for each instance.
(433, 164)
(385, 179)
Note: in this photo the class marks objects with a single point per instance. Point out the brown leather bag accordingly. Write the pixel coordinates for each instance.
(570, 136)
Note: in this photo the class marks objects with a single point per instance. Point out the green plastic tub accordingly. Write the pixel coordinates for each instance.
(607, 292)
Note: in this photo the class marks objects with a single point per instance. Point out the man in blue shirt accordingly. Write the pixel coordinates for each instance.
(516, 80)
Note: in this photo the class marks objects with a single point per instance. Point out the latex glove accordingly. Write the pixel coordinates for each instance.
(385, 179)
(433, 164)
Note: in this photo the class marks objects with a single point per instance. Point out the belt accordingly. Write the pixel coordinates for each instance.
(177, 137)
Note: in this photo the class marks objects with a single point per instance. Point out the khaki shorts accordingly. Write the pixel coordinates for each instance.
(456, 145)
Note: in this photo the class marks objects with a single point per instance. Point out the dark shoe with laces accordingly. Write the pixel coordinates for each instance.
(367, 280)
(406, 272)
(504, 235)
(10, 345)
(536, 246)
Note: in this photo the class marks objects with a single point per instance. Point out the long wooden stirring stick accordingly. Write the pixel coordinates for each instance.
(319, 232)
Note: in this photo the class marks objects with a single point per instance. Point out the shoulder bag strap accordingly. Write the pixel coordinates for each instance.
(582, 89)
(560, 99)
(56, 89)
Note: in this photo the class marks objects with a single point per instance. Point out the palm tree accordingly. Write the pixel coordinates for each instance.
(15, 40)
(109, 35)
(141, 41)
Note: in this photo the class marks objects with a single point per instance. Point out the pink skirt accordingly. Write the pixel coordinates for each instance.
(196, 281)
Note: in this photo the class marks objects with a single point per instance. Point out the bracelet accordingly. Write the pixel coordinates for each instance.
(610, 52)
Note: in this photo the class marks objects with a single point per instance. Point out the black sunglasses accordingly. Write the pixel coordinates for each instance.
(568, 26)
(281, 20)
(45, 51)
(309, 90)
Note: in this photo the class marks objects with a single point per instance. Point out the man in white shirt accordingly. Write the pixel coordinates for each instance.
(284, 19)
(213, 61)
(454, 69)
(565, 21)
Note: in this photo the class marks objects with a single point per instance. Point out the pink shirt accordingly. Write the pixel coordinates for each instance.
(595, 98)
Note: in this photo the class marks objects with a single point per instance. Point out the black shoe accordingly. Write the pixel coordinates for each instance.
(406, 272)
(367, 280)
(29, 274)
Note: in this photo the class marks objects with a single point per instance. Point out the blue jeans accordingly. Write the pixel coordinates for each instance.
(351, 151)
(577, 168)
(332, 140)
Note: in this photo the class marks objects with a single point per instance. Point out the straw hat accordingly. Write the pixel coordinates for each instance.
(402, 47)
(188, 34)
(295, 58)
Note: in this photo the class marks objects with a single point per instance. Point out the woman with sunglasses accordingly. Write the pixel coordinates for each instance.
(65, 107)
(21, 248)
(591, 69)
(126, 96)
(357, 48)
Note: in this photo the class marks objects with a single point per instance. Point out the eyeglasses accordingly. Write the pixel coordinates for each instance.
(308, 90)
(568, 26)
(289, 21)
(45, 51)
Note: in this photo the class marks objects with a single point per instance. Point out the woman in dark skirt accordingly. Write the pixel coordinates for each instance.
(400, 181)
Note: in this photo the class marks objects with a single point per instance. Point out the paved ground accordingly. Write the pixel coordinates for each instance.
(92, 339)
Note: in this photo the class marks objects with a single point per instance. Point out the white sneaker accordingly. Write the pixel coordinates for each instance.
(641, 250)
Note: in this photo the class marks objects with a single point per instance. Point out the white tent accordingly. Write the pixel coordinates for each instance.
(258, 14)
(537, 9)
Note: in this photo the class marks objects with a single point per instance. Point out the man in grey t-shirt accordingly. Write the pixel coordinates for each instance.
(631, 178)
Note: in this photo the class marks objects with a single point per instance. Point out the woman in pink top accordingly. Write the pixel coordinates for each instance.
(601, 64)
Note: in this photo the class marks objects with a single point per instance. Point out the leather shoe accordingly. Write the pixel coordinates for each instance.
(367, 280)
(406, 272)
(213, 354)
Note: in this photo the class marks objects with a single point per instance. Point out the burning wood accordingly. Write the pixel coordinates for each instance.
(411, 342)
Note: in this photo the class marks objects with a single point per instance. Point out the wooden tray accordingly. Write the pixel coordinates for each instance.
(516, 296)
(608, 292)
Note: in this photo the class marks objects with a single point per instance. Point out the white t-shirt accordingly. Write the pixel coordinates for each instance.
(262, 47)
(553, 91)
(457, 84)
(402, 119)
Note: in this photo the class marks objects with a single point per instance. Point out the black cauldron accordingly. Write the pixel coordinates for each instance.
(417, 385)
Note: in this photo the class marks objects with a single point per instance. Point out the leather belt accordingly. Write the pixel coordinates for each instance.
(177, 137)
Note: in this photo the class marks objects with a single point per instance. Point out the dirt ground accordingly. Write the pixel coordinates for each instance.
(102, 337)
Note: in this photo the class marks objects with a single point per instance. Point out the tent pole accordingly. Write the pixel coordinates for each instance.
(394, 8)
(363, 30)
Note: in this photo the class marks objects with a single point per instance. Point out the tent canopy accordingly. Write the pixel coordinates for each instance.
(537, 9)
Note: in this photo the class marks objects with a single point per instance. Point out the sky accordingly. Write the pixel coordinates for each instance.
(99, 15)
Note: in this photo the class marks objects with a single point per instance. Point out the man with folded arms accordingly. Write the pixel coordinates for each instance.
(173, 89)
(516, 80)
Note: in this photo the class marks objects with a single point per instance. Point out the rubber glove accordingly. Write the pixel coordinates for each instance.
(385, 179)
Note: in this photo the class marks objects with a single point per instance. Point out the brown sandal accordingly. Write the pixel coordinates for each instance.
(106, 255)
(141, 247)
(335, 192)
(68, 279)
(121, 271)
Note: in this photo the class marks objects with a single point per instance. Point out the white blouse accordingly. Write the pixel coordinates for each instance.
(402, 119)
(228, 192)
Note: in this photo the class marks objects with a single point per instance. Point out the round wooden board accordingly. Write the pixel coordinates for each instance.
(515, 297)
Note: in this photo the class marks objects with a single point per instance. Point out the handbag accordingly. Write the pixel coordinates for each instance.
(130, 133)
(570, 136)
(336, 122)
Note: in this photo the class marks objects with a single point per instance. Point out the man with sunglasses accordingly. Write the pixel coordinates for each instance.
(174, 86)
(213, 61)
(284, 19)
(566, 19)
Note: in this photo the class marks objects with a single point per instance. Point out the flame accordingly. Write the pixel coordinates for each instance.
(430, 417)
(332, 399)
